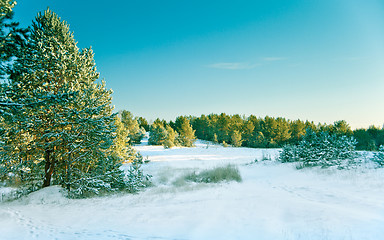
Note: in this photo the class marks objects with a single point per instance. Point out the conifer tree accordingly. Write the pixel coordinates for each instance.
(120, 146)
(135, 132)
(157, 134)
(378, 157)
(236, 140)
(11, 36)
(62, 129)
(298, 129)
(248, 133)
(171, 137)
(341, 128)
(66, 115)
(320, 149)
(143, 123)
(259, 140)
(186, 133)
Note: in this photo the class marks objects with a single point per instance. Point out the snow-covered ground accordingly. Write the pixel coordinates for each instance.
(274, 201)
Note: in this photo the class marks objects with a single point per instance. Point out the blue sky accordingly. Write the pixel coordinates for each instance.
(321, 60)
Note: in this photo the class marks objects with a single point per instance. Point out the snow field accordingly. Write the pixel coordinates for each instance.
(274, 201)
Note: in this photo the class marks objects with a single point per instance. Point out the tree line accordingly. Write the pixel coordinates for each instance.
(270, 132)
(178, 133)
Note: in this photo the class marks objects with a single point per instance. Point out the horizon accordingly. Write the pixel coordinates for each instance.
(319, 61)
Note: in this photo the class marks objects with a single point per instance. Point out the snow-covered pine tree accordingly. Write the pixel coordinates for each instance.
(378, 157)
(63, 127)
(5, 15)
(51, 71)
(320, 149)
(11, 39)
(11, 36)
(107, 175)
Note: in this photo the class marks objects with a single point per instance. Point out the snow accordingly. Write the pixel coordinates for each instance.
(274, 201)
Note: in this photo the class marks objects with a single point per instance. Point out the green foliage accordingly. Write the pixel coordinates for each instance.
(272, 132)
(379, 157)
(143, 123)
(186, 133)
(11, 36)
(160, 135)
(58, 125)
(171, 137)
(369, 139)
(298, 130)
(259, 140)
(255, 132)
(108, 177)
(236, 139)
(120, 145)
(320, 149)
(135, 132)
(157, 134)
(218, 174)
(341, 128)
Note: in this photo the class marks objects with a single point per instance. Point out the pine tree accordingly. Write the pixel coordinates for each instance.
(320, 149)
(297, 129)
(157, 134)
(135, 132)
(120, 148)
(171, 139)
(378, 157)
(73, 121)
(62, 129)
(11, 39)
(186, 133)
(143, 123)
(259, 140)
(248, 133)
(11, 36)
(364, 140)
(342, 128)
(236, 140)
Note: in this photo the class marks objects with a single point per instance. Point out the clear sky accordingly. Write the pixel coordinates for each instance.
(321, 60)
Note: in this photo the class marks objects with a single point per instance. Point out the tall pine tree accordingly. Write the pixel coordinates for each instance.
(186, 136)
(62, 127)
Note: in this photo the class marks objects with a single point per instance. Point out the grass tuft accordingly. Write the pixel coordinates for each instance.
(218, 174)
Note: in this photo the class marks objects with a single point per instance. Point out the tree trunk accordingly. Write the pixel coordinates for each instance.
(49, 167)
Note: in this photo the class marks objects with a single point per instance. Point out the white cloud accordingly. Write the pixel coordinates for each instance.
(232, 65)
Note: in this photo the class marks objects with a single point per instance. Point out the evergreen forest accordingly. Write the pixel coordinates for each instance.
(268, 132)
